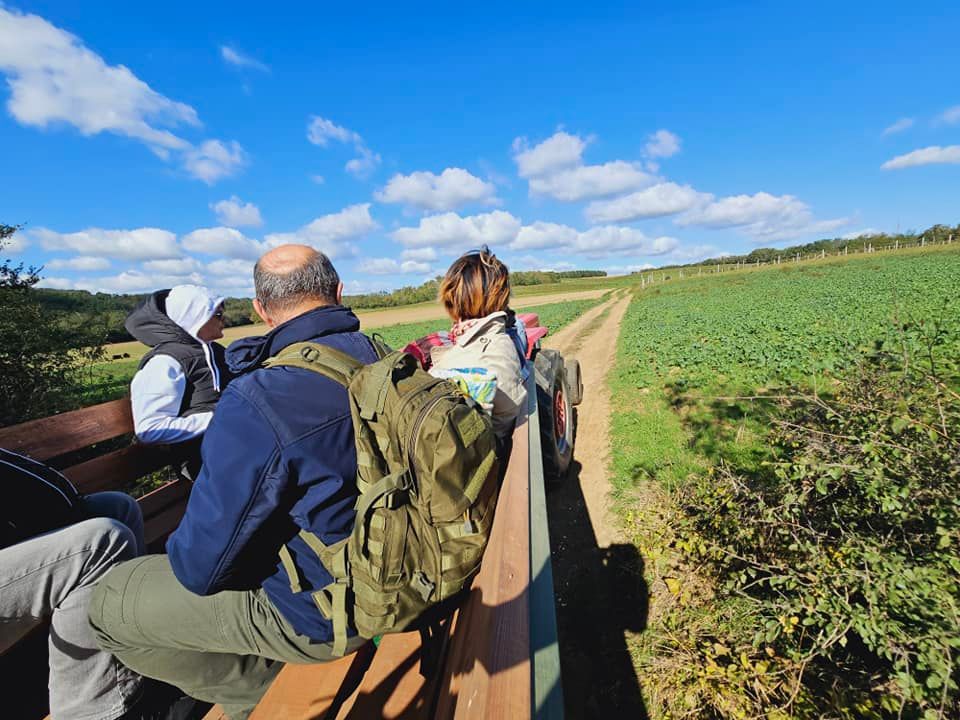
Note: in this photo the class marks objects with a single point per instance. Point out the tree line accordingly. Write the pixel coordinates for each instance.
(108, 312)
(934, 234)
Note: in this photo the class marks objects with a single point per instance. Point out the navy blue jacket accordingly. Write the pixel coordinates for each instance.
(278, 456)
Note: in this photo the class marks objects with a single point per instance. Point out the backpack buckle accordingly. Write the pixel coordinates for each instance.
(310, 354)
(395, 499)
(422, 585)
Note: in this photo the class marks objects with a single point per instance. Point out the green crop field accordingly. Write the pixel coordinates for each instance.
(785, 457)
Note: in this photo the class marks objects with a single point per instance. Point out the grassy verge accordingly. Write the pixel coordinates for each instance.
(713, 478)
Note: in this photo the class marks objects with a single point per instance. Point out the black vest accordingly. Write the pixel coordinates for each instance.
(149, 324)
(200, 394)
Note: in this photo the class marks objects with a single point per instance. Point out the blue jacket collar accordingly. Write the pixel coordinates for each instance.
(248, 353)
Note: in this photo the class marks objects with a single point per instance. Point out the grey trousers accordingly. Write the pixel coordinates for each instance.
(225, 648)
(53, 576)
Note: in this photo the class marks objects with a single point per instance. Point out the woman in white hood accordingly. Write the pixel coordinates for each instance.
(180, 380)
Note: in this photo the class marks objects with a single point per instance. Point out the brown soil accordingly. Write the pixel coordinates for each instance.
(598, 575)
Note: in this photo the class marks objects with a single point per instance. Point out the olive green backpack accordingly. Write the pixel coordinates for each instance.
(427, 476)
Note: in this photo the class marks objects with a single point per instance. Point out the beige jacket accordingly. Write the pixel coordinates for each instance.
(486, 344)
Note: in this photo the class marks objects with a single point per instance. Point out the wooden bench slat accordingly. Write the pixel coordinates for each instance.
(51, 437)
(117, 468)
(487, 672)
(305, 692)
(393, 686)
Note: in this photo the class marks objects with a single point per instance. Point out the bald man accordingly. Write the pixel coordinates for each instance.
(218, 615)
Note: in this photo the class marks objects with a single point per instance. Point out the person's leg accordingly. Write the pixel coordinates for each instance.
(119, 506)
(53, 575)
(225, 648)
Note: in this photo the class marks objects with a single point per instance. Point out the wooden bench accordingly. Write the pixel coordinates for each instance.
(498, 655)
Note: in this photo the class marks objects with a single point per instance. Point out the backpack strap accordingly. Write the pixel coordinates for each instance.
(329, 362)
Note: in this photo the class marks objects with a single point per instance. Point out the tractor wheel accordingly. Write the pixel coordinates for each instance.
(556, 426)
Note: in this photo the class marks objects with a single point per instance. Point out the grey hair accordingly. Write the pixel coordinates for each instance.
(316, 279)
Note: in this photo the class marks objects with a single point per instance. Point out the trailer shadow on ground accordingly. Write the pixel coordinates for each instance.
(600, 594)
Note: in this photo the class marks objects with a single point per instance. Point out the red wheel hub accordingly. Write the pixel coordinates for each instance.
(559, 415)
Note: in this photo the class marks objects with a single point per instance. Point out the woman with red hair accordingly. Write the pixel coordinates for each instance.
(476, 294)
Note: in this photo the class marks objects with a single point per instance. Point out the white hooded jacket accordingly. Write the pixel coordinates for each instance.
(156, 392)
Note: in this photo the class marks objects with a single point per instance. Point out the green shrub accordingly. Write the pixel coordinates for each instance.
(844, 548)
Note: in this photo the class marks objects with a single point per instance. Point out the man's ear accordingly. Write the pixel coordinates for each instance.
(340, 293)
(258, 308)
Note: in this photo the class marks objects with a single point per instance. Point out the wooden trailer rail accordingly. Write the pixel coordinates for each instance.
(498, 654)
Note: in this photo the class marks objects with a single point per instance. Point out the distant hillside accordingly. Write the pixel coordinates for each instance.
(934, 234)
(107, 312)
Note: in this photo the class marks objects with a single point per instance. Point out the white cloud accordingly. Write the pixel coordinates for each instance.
(762, 216)
(662, 144)
(899, 126)
(174, 266)
(214, 160)
(615, 239)
(222, 241)
(561, 150)
(866, 232)
(389, 266)
(15, 244)
(318, 179)
(321, 131)
(950, 116)
(661, 199)
(140, 244)
(544, 235)
(235, 57)
(695, 253)
(589, 181)
(135, 281)
(932, 155)
(449, 190)
(236, 213)
(241, 270)
(56, 283)
(423, 254)
(54, 78)
(363, 166)
(595, 243)
(452, 230)
(531, 262)
(81, 263)
(328, 233)
(555, 168)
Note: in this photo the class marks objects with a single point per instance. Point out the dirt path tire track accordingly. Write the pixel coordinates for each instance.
(593, 415)
(598, 576)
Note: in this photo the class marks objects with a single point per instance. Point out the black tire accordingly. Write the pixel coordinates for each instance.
(574, 380)
(556, 426)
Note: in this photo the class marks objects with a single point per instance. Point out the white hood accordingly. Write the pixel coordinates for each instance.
(191, 306)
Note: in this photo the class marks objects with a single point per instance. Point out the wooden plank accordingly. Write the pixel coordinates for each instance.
(164, 496)
(393, 686)
(50, 437)
(119, 467)
(162, 511)
(545, 647)
(306, 692)
(487, 673)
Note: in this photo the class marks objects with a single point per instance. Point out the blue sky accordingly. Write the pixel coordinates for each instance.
(145, 146)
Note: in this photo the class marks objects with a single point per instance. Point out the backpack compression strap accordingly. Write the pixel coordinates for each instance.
(328, 361)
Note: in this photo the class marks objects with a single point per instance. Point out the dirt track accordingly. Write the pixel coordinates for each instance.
(598, 576)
